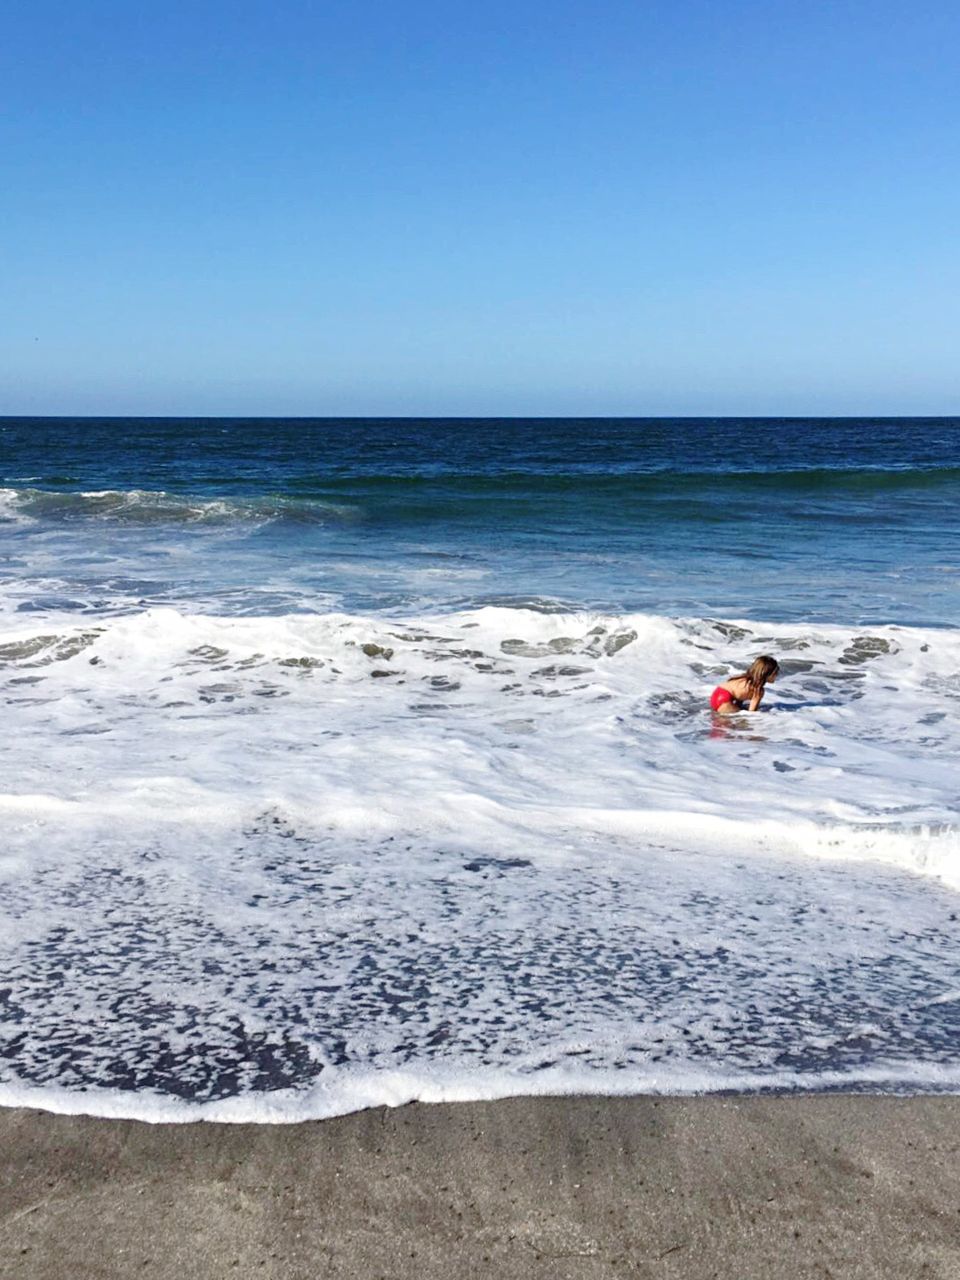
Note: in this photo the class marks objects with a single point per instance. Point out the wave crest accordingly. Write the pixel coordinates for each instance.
(148, 507)
(428, 497)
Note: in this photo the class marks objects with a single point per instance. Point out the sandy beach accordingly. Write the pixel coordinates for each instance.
(715, 1187)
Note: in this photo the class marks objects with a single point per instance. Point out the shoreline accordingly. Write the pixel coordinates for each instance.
(842, 1185)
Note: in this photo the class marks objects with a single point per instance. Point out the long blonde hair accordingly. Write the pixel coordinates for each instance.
(759, 672)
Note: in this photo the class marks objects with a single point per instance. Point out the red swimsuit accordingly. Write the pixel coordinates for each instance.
(719, 696)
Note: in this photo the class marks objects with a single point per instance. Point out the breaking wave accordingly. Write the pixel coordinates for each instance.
(143, 507)
(424, 498)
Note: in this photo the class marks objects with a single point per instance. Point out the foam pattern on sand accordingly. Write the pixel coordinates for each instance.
(271, 867)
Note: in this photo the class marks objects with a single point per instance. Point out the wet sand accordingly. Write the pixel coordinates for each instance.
(725, 1188)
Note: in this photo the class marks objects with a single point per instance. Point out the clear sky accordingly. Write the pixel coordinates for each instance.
(441, 207)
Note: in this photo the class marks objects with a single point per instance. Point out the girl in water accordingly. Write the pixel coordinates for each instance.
(745, 692)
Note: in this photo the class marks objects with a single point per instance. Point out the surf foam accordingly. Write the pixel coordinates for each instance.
(268, 867)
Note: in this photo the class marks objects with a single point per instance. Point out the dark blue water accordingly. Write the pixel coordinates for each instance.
(847, 520)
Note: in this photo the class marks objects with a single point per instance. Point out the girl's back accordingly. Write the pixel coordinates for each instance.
(739, 686)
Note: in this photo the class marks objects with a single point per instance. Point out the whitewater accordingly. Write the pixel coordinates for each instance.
(278, 845)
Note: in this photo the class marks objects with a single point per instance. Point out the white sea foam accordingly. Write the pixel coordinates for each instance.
(548, 717)
(147, 507)
(271, 867)
(347, 1091)
(10, 507)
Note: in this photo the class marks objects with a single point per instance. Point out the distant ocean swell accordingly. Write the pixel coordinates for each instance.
(442, 496)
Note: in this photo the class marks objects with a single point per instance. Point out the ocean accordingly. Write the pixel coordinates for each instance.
(348, 762)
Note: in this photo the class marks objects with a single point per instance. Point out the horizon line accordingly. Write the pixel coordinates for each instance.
(482, 417)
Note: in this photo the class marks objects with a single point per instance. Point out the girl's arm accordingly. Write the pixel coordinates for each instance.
(756, 700)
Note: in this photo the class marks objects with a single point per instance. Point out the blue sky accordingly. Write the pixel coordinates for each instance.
(535, 207)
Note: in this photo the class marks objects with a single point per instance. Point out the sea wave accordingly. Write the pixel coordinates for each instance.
(426, 497)
(146, 507)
